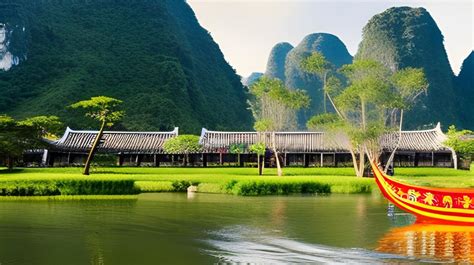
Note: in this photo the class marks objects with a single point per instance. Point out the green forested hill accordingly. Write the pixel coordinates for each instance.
(152, 54)
(252, 78)
(284, 63)
(403, 36)
(335, 52)
(276, 60)
(465, 92)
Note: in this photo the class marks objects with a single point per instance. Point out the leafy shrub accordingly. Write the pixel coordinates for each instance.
(254, 188)
(182, 144)
(183, 185)
(230, 185)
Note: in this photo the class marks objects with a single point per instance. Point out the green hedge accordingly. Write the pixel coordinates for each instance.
(67, 187)
(255, 188)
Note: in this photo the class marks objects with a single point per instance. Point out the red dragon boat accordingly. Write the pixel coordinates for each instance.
(432, 205)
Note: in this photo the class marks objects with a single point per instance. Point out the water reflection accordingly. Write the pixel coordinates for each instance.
(438, 242)
(241, 244)
(278, 214)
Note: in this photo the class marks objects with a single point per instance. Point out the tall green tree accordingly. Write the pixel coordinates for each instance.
(366, 107)
(49, 126)
(409, 83)
(237, 149)
(259, 149)
(183, 144)
(106, 111)
(317, 64)
(274, 108)
(18, 136)
(462, 142)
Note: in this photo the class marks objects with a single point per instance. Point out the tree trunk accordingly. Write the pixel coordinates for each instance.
(360, 173)
(392, 155)
(354, 162)
(334, 106)
(238, 159)
(9, 163)
(279, 170)
(185, 162)
(93, 149)
(259, 165)
(277, 160)
(324, 92)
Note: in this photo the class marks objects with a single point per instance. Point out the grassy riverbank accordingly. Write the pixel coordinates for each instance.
(240, 181)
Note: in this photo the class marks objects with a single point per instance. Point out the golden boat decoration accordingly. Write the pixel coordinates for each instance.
(432, 205)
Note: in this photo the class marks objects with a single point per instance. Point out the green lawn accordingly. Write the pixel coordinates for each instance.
(243, 181)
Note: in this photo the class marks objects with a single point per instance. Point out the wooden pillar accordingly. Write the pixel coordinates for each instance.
(69, 158)
(334, 160)
(305, 160)
(221, 160)
(286, 160)
(156, 160)
(45, 158)
(51, 159)
(204, 160)
(432, 159)
(322, 160)
(120, 159)
(138, 160)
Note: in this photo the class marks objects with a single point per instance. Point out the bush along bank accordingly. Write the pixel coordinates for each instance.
(68, 187)
(263, 187)
(256, 188)
(243, 187)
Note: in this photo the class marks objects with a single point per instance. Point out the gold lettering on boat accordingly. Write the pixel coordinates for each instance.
(466, 201)
(429, 198)
(413, 195)
(401, 193)
(448, 201)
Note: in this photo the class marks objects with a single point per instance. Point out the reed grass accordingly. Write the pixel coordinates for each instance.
(25, 187)
(154, 186)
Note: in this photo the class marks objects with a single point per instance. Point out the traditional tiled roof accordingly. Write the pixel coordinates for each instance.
(114, 141)
(426, 140)
(215, 141)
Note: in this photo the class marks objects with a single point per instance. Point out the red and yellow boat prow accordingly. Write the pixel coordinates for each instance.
(445, 206)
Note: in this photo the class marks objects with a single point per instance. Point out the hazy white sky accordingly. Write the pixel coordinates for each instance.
(247, 30)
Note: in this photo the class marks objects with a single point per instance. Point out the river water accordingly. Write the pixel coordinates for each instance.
(174, 228)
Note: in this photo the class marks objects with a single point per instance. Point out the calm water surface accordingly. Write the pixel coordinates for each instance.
(172, 228)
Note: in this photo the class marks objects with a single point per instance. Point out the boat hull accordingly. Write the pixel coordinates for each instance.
(430, 205)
